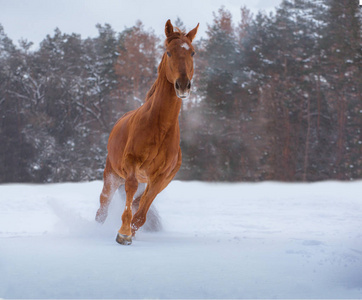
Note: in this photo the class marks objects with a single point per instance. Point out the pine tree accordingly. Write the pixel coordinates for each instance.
(342, 56)
(15, 151)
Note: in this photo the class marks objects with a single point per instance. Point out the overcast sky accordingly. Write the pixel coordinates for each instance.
(34, 19)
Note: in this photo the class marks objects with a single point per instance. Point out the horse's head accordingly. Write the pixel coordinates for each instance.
(179, 59)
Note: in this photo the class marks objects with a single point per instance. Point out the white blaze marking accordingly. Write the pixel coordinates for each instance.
(185, 46)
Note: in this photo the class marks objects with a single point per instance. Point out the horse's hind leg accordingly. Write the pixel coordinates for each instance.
(111, 182)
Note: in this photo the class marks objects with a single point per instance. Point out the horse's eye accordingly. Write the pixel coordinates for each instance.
(193, 53)
(168, 54)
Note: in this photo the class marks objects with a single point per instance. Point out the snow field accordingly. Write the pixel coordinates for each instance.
(246, 240)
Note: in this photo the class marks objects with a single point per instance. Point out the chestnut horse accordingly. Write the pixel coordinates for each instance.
(144, 145)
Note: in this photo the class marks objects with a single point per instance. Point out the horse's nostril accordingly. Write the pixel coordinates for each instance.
(177, 86)
(189, 85)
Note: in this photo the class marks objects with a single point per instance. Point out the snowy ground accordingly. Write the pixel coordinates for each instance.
(263, 240)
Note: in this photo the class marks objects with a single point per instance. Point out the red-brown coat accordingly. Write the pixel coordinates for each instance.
(144, 145)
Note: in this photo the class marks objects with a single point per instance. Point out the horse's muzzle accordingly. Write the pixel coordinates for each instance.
(183, 88)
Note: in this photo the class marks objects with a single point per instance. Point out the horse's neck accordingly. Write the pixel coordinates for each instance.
(165, 105)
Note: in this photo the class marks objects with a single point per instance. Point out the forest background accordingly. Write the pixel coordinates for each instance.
(275, 97)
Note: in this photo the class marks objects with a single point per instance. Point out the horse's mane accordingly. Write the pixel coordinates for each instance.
(155, 84)
(152, 90)
(177, 34)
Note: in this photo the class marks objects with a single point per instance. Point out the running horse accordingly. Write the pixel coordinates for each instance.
(144, 145)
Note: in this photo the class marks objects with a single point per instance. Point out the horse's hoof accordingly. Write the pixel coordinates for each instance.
(124, 239)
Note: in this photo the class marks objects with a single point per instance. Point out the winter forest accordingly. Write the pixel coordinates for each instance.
(275, 97)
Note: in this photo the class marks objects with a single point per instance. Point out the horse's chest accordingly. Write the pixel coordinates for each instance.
(163, 141)
(151, 145)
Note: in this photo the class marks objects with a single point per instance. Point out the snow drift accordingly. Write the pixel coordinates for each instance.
(261, 240)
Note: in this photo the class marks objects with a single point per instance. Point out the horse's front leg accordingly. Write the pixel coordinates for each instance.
(154, 187)
(124, 235)
(152, 190)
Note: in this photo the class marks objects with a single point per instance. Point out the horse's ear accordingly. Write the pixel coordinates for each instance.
(191, 35)
(168, 28)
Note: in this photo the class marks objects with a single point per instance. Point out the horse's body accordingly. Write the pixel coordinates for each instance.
(144, 145)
